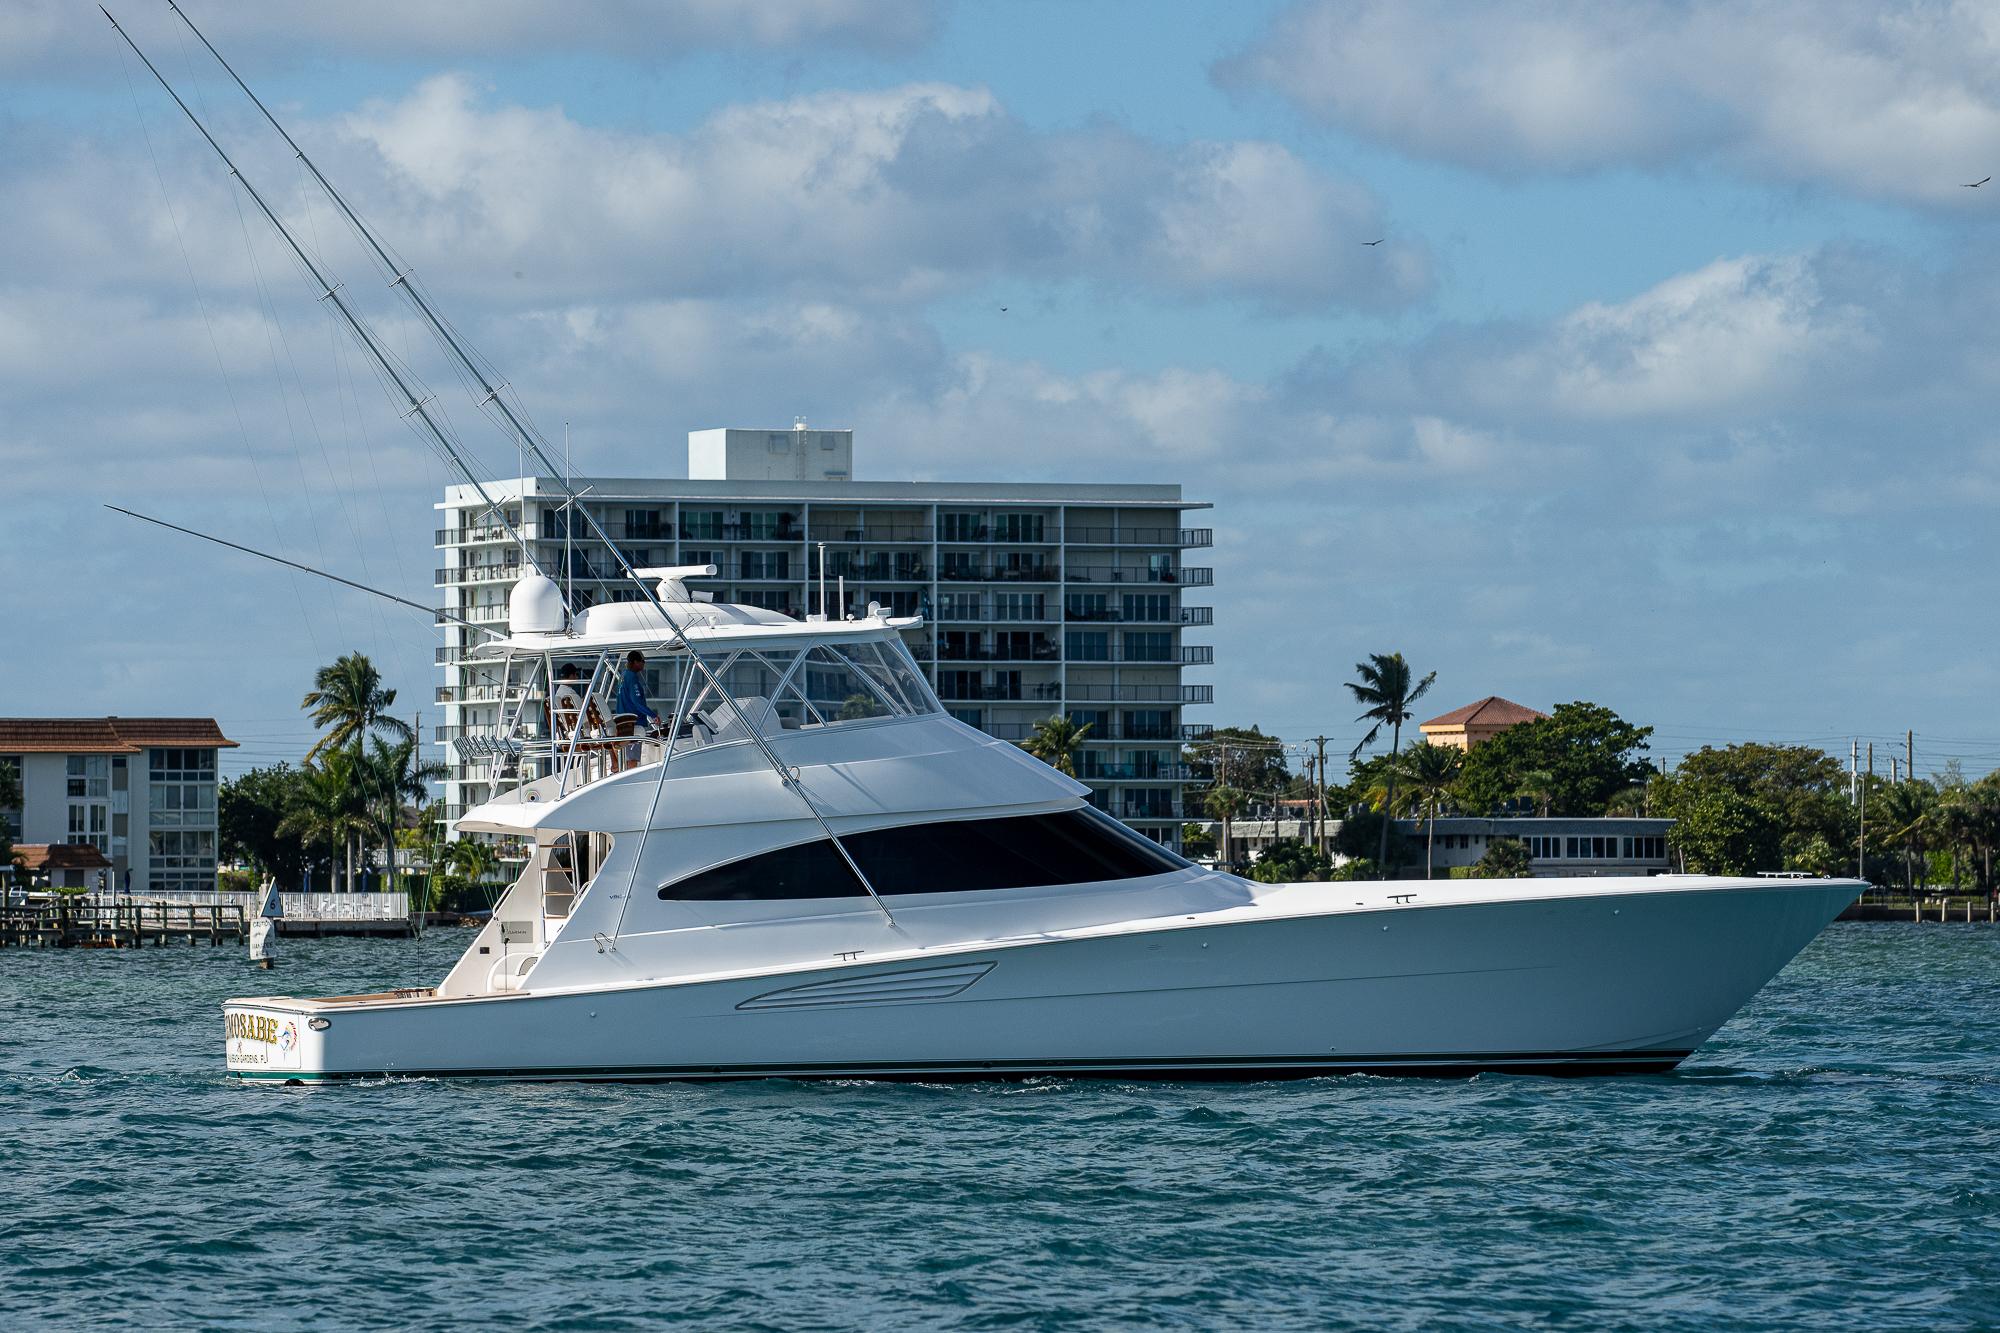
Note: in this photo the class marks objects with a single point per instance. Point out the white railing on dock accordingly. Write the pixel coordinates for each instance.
(300, 906)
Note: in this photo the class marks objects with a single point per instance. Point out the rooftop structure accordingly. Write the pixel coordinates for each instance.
(1036, 599)
(1463, 728)
(139, 791)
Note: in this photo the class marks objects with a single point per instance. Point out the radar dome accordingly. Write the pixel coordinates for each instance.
(535, 607)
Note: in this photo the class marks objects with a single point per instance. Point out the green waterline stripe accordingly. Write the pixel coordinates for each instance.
(1263, 1067)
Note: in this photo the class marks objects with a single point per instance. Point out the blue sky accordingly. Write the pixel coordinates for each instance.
(1668, 388)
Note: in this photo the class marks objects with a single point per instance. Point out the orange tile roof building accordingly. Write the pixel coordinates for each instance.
(138, 792)
(1463, 728)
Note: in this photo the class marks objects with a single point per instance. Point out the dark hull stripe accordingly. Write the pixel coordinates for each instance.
(1559, 1063)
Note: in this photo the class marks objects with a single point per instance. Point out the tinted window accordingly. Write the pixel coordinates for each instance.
(956, 856)
(810, 870)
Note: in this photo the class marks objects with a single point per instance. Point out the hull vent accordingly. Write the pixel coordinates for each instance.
(917, 983)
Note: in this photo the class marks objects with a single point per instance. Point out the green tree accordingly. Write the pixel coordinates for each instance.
(10, 799)
(1224, 804)
(1907, 812)
(397, 777)
(249, 812)
(1290, 861)
(1055, 741)
(1753, 806)
(1385, 688)
(1242, 757)
(1431, 772)
(1196, 841)
(326, 809)
(1570, 763)
(1359, 837)
(350, 705)
(1506, 858)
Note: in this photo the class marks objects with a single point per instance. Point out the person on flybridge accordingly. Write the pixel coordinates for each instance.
(570, 711)
(631, 703)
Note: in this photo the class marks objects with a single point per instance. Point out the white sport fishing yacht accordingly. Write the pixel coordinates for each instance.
(810, 870)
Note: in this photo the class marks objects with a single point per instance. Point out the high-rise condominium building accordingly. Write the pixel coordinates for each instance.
(1037, 600)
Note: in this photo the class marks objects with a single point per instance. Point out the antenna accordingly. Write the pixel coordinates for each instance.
(528, 439)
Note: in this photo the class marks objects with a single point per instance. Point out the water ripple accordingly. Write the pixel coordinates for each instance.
(1824, 1163)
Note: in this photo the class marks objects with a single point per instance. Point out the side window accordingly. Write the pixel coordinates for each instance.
(954, 856)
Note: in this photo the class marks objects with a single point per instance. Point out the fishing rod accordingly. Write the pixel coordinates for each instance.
(441, 329)
(308, 569)
(418, 406)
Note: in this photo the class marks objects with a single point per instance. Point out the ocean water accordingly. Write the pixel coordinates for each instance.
(1831, 1159)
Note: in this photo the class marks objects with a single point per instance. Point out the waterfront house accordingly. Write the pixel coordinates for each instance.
(1463, 728)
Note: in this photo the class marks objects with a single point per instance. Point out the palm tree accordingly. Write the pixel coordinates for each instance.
(396, 775)
(1909, 810)
(326, 808)
(1225, 804)
(1386, 693)
(1055, 741)
(349, 703)
(1539, 786)
(1432, 771)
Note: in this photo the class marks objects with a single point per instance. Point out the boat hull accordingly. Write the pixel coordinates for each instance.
(1628, 982)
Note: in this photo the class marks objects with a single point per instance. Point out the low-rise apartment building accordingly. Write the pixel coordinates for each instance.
(141, 791)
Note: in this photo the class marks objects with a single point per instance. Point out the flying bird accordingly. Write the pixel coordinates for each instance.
(1003, 309)
(1976, 184)
(1377, 241)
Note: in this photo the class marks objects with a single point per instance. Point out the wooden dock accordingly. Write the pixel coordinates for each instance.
(62, 921)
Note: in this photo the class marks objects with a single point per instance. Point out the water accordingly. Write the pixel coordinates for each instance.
(1831, 1159)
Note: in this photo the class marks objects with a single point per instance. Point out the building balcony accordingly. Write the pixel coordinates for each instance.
(1087, 772)
(887, 534)
(1041, 650)
(1114, 615)
(1150, 694)
(985, 616)
(1186, 577)
(478, 615)
(487, 532)
(1116, 653)
(464, 574)
(1171, 537)
(1000, 574)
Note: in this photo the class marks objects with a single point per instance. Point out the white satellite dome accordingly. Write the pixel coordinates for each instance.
(535, 606)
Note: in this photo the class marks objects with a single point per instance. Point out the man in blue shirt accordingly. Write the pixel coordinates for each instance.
(631, 701)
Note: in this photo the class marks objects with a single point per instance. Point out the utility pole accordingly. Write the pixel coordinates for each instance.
(1319, 827)
(1861, 865)
(1910, 754)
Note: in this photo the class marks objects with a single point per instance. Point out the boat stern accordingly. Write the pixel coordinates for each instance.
(273, 1039)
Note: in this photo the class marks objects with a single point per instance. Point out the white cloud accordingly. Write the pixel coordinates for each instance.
(1899, 101)
(888, 196)
(38, 37)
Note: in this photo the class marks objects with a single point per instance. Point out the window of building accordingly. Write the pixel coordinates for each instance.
(1149, 646)
(765, 565)
(1086, 645)
(961, 527)
(1149, 724)
(1155, 606)
(1019, 606)
(954, 856)
(1087, 606)
(702, 524)
(1017, 527)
